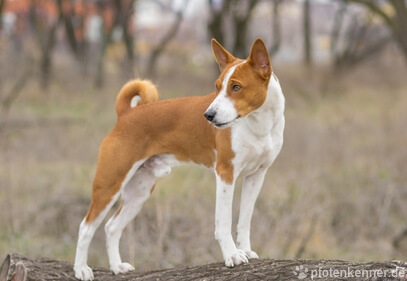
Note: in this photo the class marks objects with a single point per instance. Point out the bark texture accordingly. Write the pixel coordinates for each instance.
(18, 268)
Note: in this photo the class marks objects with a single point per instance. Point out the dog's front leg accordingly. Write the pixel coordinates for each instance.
(250, 190)
(223, 224)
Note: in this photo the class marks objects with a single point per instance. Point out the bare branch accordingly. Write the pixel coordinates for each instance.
(377, 10)
(164, 42)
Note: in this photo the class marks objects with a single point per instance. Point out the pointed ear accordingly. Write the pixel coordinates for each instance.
(259, 59)
(222, 56)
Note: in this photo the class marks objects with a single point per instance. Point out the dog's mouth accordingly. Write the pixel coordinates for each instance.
(225, 125)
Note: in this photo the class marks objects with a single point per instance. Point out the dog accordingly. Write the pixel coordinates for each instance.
(236, 131)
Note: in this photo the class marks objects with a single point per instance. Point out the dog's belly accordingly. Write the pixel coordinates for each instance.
(161, 164)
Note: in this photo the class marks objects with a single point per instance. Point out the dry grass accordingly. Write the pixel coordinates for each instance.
(343, 166)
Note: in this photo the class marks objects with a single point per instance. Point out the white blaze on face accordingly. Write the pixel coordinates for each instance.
(223, 105)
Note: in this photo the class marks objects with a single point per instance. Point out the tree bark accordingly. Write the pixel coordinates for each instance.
(18, 268)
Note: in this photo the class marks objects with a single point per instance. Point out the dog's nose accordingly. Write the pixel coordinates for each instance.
(210, 114)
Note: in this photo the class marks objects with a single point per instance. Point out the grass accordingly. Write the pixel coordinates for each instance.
(344, 153)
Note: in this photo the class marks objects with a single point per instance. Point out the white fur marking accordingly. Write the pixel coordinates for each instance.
(256, 140)
(134, 101)
(136, 190)
(251, 188)
(86, 232)
(135, 193)
(223, 224)
(223, 105)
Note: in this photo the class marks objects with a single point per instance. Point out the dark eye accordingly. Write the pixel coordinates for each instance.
(236, 88)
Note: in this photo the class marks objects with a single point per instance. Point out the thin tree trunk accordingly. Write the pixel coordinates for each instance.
(83, 44)
(336, 30)
(100, 63)
(307, 33)
(155, 54)
(215, 25)
(129, 41)
(400, 6)
(46, 38)
(276, 29)
(239, 46)
(241, 25)
(107, 38)
(68, 27)
(2, 4)
(46, 58)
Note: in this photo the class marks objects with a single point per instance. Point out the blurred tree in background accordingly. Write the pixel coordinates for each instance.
(394, 15)
(90, 28)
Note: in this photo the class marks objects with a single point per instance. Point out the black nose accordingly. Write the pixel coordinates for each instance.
(210, 114)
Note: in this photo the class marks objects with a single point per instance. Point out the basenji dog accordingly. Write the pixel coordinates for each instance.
(243, 137)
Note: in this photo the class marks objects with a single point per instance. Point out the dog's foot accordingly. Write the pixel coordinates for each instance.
(236, 258)
(121, 268)
(84, 273)
(251, 255)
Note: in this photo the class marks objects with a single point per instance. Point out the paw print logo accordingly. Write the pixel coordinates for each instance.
(301, 272)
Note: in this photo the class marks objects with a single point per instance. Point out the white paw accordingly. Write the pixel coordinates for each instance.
(84, 272)
(121, 268)
(236, 258)
(251, 255)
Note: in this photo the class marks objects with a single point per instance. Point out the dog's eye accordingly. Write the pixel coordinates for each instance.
(236, 88)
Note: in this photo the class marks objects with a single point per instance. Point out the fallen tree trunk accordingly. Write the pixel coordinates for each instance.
(19, 268)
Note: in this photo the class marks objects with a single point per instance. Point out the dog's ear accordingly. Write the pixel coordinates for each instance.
(259, 59)
(222, 56)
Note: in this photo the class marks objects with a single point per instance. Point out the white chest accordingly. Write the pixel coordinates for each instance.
(251, 152)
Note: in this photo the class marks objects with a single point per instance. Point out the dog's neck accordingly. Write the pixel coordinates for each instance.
(261, 121)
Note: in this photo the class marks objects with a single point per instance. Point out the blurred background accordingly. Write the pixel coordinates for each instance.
(338, 189)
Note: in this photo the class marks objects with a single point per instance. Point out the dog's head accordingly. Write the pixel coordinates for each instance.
(241, 87)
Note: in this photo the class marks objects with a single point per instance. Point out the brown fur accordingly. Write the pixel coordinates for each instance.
(176, 126)
(253, 76)
(145, 89)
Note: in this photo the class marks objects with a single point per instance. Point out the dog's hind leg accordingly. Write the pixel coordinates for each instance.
(86, 231)
(112, 174)
(134, 194)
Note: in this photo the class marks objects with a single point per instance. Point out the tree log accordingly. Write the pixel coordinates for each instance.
(19, 268)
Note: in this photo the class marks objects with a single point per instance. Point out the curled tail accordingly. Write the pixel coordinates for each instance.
(135, 92)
